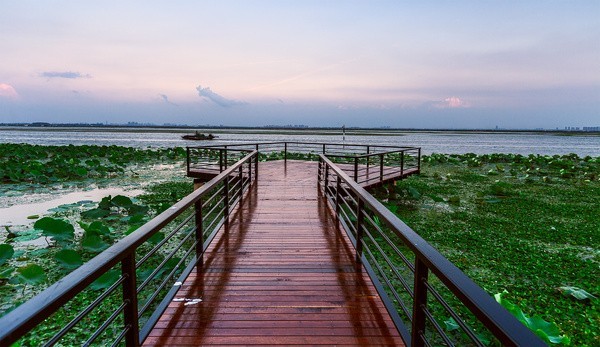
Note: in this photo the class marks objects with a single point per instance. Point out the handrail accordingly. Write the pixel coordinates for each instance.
(359, 213)
(27, 316)
(370, 164)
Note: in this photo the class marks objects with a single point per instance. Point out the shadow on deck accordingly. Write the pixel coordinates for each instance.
(282, 272)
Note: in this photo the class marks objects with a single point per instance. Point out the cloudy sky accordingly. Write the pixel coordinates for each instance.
(455, 64)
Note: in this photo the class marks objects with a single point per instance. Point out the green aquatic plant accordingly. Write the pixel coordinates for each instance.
(547, 331)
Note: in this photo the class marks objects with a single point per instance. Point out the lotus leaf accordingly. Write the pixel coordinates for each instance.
(59, 229)
(6, 252)
(68, 259)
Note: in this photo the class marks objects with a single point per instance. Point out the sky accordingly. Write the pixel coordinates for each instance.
(407, 64)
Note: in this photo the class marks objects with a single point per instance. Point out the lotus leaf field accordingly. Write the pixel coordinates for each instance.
(525, 228)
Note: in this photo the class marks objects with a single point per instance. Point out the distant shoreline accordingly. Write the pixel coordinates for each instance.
(281, 130)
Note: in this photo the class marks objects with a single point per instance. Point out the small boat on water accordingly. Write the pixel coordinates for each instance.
(199, 136)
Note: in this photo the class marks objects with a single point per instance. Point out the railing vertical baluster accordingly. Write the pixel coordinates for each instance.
(356, 169)
(381, 167)
(360, 216)
(285, 151)
(220, 160)
(225, 161)
(324, 149)
(419, 160)
(419, 303)
(130, 313)
(199, 235)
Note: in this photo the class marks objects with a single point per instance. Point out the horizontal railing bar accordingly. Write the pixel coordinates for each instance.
(85, 312)
(391, 265)
(106, 324)
(165, 260)
(150, 299)
(439, 329)
(120, 337)
(382, 273)
(467, 329)
(409, 264)
(163, 241)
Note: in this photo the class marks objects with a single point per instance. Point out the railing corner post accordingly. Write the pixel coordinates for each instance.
(419, 303)
(130, 312)
(285, 151)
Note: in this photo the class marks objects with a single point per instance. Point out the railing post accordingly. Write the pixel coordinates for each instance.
(130, 312)
(356, 169)
(360, 216)
(226, 201)
(419, 161)
(401, 163)
(326, 180)
(320, 167)
(241, 173)
(338, 198)
(368, 158)
(250, 170)
(187, 149)
(380, 167)
(199, 236)
(220, 160)
(256, 163)
(324, 149)
(285, 152)
(419, 303)
(225, 159)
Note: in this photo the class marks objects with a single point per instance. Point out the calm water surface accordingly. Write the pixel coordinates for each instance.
(439, 142)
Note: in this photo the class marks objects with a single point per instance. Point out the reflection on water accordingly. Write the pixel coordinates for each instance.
(439, 142)
(17, 214)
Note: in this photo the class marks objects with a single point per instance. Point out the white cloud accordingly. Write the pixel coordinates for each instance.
(166, 99)
(64, 74)
(216, 98)
(7, 91)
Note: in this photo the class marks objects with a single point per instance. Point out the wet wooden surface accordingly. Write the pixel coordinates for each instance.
(368, 176)
(281, 274)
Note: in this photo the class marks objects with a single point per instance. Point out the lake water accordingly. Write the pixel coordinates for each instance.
(439, 142)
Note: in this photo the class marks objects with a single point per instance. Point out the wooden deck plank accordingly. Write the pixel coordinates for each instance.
(282, 273)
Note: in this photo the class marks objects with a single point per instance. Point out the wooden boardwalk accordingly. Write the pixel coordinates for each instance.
(281, 274)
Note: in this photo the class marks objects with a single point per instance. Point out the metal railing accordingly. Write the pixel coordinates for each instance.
(431, 301)
(147, 266)
(367, 164)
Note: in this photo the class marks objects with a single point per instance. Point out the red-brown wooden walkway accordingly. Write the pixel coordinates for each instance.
(281, 274)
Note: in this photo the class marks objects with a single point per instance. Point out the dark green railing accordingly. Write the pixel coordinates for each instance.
(432, 302)
(367, 164)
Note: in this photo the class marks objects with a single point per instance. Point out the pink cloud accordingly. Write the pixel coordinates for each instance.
(451, 102)
(7, 91)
